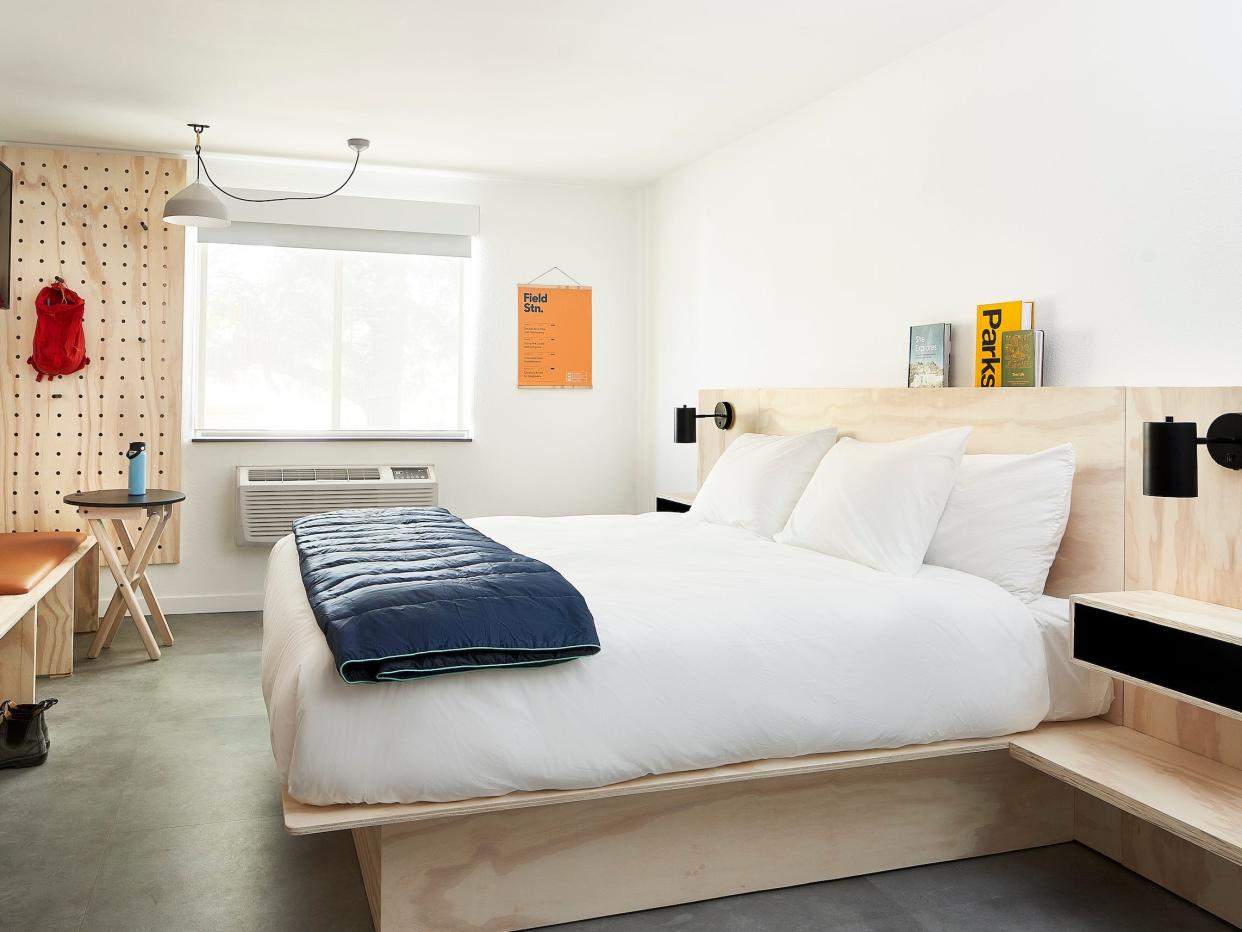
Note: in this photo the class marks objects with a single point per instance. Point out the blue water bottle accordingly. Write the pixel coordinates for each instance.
(137, 456)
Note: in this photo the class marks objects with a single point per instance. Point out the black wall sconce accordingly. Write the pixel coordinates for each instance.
(1170, 458)
(685, 429)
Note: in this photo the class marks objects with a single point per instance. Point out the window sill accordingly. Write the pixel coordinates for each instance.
(264, 436)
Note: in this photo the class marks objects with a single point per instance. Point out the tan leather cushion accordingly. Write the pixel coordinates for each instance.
(27, 557)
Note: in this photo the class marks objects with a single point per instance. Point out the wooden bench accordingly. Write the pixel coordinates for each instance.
(37, 626)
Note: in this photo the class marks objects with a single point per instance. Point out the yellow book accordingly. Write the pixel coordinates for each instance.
(993, 320)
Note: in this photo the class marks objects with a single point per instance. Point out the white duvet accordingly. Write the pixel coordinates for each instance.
(718, 646)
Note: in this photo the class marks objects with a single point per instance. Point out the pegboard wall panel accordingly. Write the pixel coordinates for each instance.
(94, 219)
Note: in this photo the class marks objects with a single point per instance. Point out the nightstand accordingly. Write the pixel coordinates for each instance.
(675, 501)
(1188, 649)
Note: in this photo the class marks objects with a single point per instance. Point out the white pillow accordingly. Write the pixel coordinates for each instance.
(1006, 517)
(758, 478)
(878, 503)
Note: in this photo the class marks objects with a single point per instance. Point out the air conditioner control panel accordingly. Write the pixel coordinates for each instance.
(411, 472)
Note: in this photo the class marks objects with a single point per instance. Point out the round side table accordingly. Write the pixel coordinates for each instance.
(117, 506)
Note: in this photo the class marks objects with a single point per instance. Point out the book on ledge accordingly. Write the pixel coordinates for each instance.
(931, 347)
(1022, 358)
(993, 321)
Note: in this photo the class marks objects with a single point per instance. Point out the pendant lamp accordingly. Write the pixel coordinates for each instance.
(196, 205)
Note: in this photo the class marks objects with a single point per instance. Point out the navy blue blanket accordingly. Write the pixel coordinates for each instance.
(402, 593)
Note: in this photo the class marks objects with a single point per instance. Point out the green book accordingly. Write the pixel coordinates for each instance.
(1022, 358)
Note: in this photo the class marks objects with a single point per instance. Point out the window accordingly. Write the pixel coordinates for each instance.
(325, 342)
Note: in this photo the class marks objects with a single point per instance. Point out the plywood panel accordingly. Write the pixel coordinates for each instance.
(1190, 547)
(17, 658)
(1187, 546)
(86, 593)
(1188, 726)
(524, 868)
(93, 218)
(1182, 792)
(367, 847)
(1014, 420)
(54, 652)
(1207, 880)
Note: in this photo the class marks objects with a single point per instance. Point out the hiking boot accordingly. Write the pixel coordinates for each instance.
(23, 733)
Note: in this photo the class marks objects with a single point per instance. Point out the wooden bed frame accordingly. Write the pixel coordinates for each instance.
(534, 859)
(538, 858)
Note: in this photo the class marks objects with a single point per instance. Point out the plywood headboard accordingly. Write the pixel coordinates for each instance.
(1014, 420)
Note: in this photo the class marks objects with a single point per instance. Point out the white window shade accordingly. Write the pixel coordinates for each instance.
(358, 224)
(302, 237)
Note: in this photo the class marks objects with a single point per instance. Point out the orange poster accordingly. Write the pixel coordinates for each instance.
(554, 336)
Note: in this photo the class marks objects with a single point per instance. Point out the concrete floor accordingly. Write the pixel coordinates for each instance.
(159, 809)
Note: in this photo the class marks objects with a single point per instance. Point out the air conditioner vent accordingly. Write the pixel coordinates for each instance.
(313, 473)
(271, 498)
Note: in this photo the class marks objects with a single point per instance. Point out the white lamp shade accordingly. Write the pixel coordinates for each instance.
(196, 205)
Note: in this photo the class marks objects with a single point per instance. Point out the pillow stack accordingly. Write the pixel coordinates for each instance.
(759, 478)
(878, 503)
(1006, 517)
(895, 506)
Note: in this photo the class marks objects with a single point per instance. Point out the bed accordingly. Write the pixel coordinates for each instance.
(748, 723)
(721, 646)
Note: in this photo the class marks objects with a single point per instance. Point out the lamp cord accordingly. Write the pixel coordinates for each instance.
(198, 154)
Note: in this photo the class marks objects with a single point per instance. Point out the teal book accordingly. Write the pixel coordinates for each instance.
(930, 351)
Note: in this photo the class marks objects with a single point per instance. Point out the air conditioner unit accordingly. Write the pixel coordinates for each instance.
(269, 498)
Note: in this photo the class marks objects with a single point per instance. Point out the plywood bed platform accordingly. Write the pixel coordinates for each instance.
(531, 859)
(538, 858)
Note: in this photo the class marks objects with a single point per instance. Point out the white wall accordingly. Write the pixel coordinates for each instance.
(1084, 154)
(535, 451)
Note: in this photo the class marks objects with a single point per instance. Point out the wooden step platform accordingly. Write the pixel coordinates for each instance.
(1191, 796)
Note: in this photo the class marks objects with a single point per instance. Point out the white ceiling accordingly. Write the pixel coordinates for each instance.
(591, 90)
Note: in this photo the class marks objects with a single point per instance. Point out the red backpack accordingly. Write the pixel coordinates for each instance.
(59, 342)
